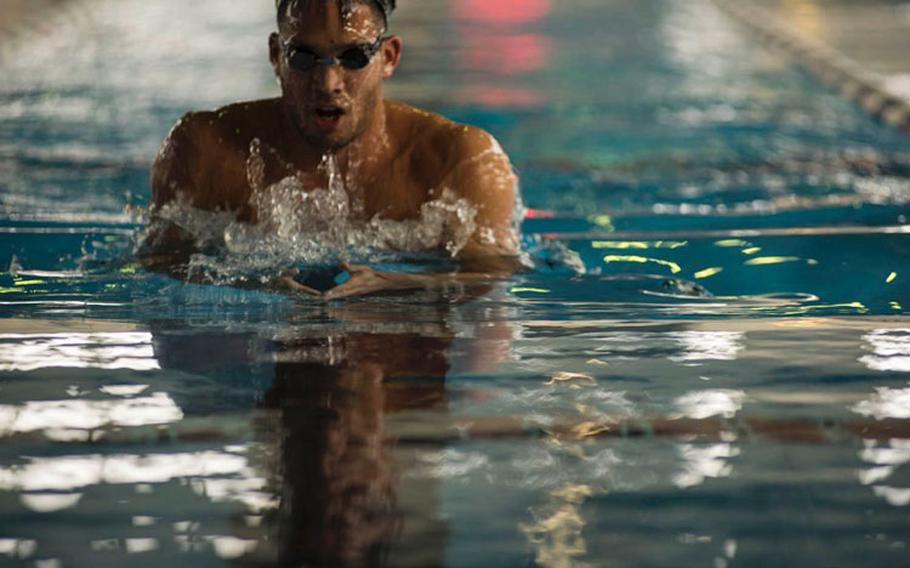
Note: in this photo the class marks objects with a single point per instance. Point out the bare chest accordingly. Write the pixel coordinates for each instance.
(389, 191)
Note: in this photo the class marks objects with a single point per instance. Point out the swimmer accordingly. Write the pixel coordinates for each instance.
(331, 58)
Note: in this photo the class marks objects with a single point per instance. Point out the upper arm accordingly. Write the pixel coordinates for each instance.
(482, 173)
(175, 172)
(174, 176)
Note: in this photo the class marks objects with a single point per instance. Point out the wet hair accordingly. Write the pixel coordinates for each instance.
(383, 7)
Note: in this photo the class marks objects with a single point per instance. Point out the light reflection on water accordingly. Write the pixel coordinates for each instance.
(20, 352)
(499, 45)
(884, 461)
(707, 403)
(69, 417)
(342, 447)
(890, 350)
(701, 345)
(77, 472)
(886, 403)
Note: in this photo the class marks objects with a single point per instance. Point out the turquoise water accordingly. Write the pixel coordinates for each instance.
(728, 383)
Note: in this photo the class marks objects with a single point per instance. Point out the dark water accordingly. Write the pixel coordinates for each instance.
(726, 385)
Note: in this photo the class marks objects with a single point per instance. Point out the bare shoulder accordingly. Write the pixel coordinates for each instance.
(467, 142)
(223, 126)
(176, 168)
(433, 133)
(441, 147)
(200, 143)
(468, 162)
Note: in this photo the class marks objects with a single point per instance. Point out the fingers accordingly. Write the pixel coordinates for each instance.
(342, 291)
(358, 283)
(353, 287)
(362, 281)
(338, 293)
(295, 286)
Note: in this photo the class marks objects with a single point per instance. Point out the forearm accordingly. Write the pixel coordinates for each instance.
(409, 280)
(400, 281)
(364, 280)
(165, 248)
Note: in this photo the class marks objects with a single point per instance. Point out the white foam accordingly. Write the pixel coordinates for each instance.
(297, 225)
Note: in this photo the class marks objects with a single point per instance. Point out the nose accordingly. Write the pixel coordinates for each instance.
(328, 79)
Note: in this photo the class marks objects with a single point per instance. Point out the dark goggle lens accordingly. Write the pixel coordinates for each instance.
(354, 58)
(302, 60)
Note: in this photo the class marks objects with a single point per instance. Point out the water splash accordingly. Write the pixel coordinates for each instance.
(297, 225)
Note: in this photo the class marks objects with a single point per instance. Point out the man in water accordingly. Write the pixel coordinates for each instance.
(331, 58)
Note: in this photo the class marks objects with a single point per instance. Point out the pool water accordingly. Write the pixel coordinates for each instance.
(727, 382)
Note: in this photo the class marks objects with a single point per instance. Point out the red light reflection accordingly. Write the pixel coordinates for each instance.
(539, 213)
(502, 11)
(506, 54)
(495, 42)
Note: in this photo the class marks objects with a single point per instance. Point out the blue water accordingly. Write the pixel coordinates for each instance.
(727, 384)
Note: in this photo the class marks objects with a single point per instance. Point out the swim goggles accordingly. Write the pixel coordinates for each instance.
(358, 57)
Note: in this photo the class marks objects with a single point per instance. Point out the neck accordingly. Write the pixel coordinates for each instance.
(356, 159)
(360, 158)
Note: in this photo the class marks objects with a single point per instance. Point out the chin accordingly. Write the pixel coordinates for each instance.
(330, 142)
(337, 139)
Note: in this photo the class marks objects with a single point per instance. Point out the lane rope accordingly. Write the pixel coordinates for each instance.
(828, 65)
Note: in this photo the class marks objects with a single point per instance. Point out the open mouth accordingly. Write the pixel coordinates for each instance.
(329, 112)
(327, 117)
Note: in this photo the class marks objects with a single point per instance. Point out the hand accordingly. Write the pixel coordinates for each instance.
(365, 280)
(286, 280)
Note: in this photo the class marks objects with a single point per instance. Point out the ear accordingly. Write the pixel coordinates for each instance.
(275, 51)
(391, 55)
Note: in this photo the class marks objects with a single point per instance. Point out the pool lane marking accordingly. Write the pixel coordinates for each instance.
(766, 260)
(640, 245)
(732, 243)
(674, 268)
(891, 277)
(708, 272)
(520, 289)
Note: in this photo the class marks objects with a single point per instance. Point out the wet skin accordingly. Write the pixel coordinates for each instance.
(393, 157)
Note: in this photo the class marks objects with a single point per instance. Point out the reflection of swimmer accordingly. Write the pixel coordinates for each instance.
(329, 423)
(339, 496)
(332, 126)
